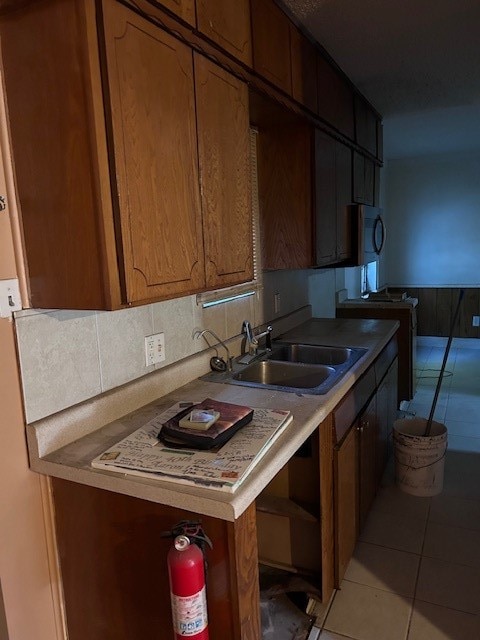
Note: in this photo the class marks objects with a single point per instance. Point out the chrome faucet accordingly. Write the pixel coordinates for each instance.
(251, 341)
(200, 333)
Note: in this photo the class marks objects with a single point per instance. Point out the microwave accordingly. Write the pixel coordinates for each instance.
(369, 233)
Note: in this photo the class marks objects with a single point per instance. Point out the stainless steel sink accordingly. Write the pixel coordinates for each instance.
(285, 374)
(311, 354)
(294, 367)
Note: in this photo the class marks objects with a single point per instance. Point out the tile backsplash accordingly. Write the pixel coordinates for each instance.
(67, 357)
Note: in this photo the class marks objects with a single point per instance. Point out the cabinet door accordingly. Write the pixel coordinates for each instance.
(304, 69)
(365, 125)
(367, 460)
(343, 185)
(271, 43)
(224, 155)
(335, 98)
(333, 184)
(151, 85)
(325, 199)
(363, 179)
(346, 501)
(284, 185)
(227, 22)
(184, 9)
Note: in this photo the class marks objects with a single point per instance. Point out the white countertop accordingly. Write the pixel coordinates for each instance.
(72, 461)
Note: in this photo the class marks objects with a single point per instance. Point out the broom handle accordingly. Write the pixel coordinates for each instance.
(444, 364)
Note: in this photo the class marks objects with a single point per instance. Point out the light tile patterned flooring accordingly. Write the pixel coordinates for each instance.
(415, 574)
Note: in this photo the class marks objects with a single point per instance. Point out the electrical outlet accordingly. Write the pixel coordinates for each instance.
(276, 303)
(154, 349)
(475, 321)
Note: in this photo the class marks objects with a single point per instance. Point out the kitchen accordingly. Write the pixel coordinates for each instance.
(62, 344)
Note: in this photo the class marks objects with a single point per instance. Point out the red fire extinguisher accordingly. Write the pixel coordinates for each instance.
(186, 573)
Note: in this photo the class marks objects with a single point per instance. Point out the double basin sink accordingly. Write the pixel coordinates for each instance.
(294, 367)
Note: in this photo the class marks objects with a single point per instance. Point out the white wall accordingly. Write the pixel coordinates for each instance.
(433, 209)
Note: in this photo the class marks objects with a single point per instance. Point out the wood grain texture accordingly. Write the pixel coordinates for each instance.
(155, 146)
(271, 43)
(245, 590)
(343, 186)
(285, 195)
(346, 502)
(114, 572)
(224, 155)
(333, 185)
(327, 505)
(436, 308)
(304, 69)
(227, 22)
(365, 125)
(335, 98)
(55, 140)
(184, 9)
(368, 438)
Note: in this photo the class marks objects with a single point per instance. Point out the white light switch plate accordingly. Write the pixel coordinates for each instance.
(9, 298)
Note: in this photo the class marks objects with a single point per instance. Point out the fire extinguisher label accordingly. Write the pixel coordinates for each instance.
(190, 613)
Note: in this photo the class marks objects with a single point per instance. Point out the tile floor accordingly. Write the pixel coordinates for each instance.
(415, 574)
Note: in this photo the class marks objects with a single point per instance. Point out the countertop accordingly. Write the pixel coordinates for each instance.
(72, 461)
(407, 303)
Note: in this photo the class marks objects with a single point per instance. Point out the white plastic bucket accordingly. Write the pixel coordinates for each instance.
(419, 459)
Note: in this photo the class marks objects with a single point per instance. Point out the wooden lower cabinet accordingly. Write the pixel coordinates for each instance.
(114, 571)
(360, 458)
(295, 514)
(113, 557)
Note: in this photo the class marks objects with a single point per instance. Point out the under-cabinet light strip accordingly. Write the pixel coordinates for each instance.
(213, 303)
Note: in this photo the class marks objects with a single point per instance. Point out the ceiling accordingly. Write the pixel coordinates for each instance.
(416, 61)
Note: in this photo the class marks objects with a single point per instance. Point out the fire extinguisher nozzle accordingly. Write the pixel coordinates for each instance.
(181, 543)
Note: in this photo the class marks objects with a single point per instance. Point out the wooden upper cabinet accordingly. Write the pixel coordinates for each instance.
(304, 69)
(365, 126)
(363, 179)
(227, 23)
(184, 9)
(224, 154)
(58, 146)
(285, 188)
(333, 192)
(335, 98)
(151, 83)
(271, 43)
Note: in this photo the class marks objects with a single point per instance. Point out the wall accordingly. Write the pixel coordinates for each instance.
(67, 357)
(434, 221)
(27, 579)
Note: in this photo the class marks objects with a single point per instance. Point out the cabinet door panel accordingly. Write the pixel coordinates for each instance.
(184, 9)
(271, 43)
(304, 69)
(227, 22)
(155, 144)
(346, 501)
(335, 98)
(343, 182)
(284, 184)
(224, 154)
(325, 199)
(368, 437)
